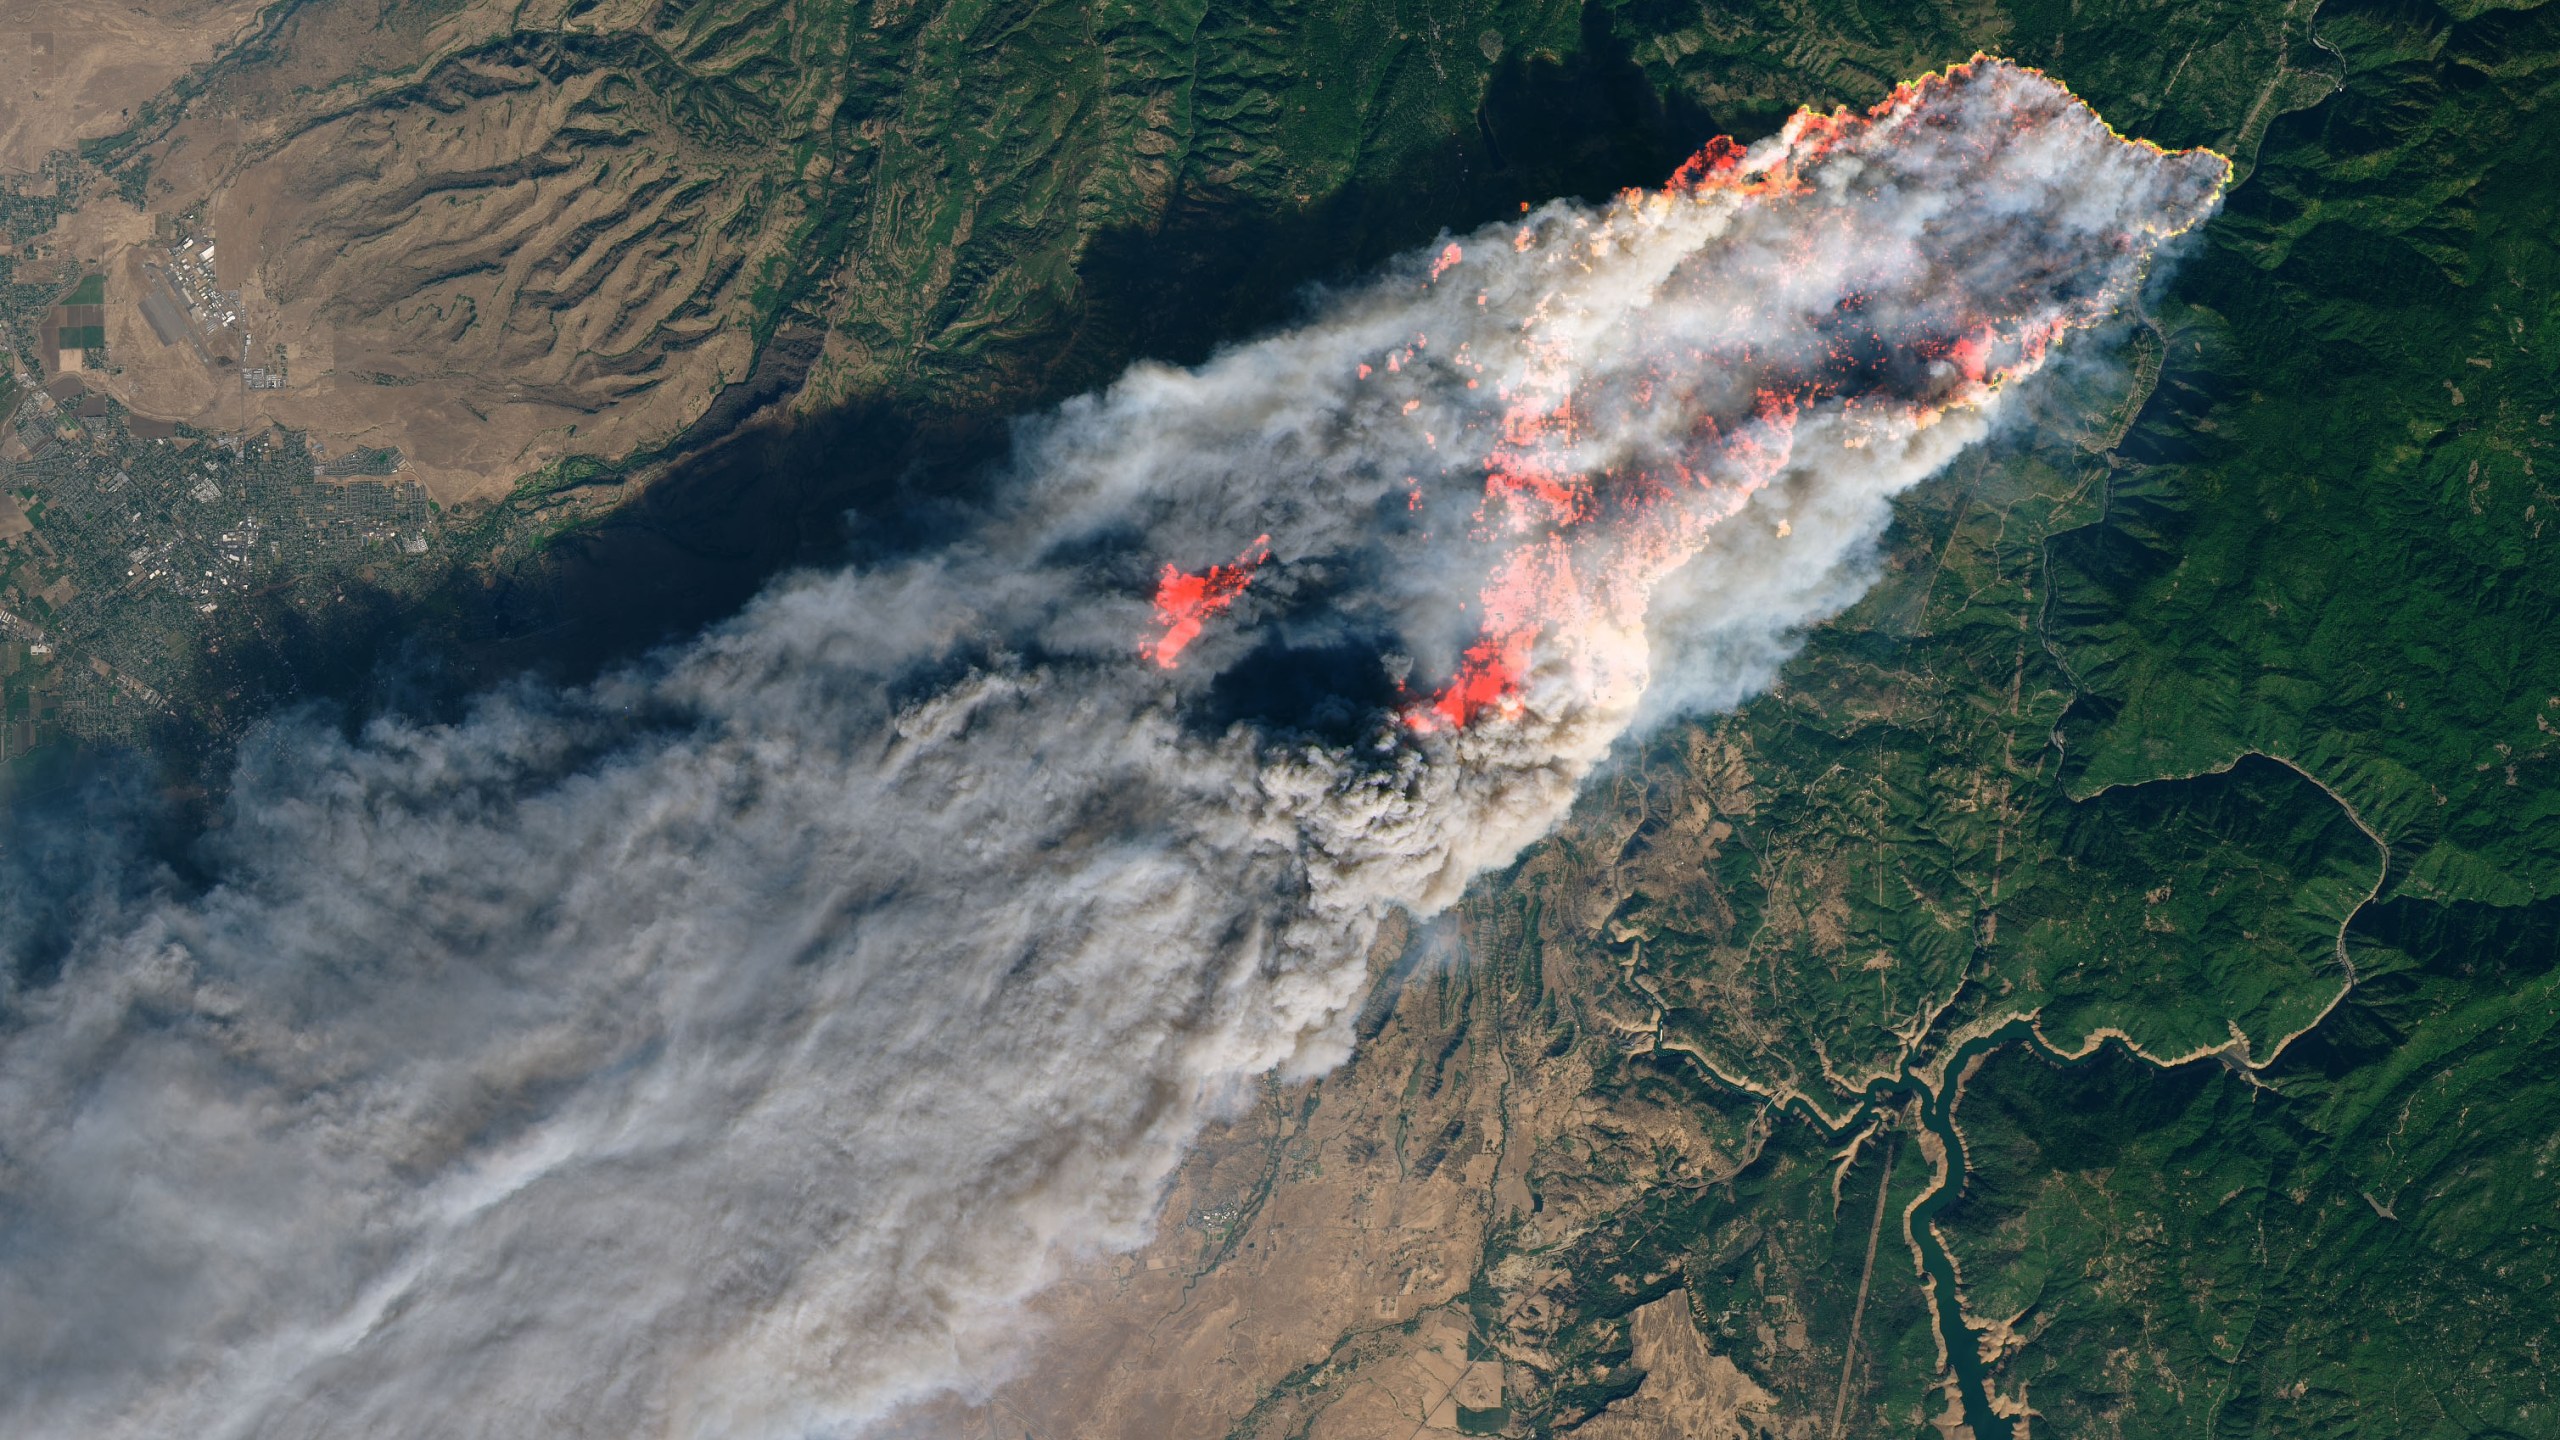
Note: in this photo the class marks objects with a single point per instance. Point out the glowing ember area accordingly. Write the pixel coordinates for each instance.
(1590, 395)
(1184, 602)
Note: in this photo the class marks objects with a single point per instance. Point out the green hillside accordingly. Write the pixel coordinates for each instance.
(2226, 740)
(2155, 878)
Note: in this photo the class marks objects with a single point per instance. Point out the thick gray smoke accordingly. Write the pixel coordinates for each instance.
(727, 1048)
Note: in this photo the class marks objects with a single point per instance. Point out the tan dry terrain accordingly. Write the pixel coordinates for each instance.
(495, 235)
(73, 70)
(1688, 1394)
(1312, 1271)
(470, 258)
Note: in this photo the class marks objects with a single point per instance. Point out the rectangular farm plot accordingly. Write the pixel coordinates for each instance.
(74, 335)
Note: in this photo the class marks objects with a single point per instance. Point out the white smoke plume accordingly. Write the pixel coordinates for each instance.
(726, 1048)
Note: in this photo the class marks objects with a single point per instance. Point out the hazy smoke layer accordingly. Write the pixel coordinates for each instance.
(724, 1049)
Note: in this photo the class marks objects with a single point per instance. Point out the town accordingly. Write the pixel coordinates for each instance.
(129, 546)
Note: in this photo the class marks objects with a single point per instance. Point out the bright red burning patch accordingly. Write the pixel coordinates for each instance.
(1184, 601)
(1623, 418)
(1649, 523)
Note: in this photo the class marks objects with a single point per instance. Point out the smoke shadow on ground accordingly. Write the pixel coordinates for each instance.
(888, 476)
(71, 835)
(1331, 692)
(1586, 126)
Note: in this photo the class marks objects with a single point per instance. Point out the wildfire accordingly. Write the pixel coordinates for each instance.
(1184, 601)
(1880, 332)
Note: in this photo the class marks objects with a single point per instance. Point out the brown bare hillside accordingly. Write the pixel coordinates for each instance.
(496, 236)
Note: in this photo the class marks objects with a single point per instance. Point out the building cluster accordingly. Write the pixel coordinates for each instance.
(191, 274)
(142, 562)
(122, 593)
